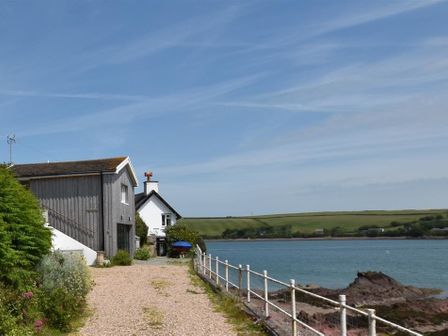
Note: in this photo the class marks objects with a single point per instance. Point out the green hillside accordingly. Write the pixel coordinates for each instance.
(307, 223)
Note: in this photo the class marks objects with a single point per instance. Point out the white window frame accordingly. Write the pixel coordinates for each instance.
(166, 219)
(124, 194)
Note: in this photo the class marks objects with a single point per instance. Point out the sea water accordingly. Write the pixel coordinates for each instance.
(335, 263)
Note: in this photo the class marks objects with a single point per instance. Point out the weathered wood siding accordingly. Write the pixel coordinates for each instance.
(74, 205)
(117, 212)
(75, 208)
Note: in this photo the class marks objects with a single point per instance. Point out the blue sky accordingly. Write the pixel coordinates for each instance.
(238, 107)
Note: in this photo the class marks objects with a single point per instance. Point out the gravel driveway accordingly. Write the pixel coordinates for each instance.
(150, 300)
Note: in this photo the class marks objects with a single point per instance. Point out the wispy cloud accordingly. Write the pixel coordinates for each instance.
(181, 34)
(100, 96)
(359, 87)
(374, 13)
(140, 107)
(299, 45)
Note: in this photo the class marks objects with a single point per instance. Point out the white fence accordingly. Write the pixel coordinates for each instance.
(217, 271)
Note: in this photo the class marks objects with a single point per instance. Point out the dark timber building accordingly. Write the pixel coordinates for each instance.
(91, 201)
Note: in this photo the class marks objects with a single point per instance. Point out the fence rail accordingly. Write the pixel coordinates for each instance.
(210, 268)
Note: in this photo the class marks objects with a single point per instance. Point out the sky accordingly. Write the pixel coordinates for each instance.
(238, 107)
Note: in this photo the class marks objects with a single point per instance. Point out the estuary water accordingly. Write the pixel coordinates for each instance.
(334, 263)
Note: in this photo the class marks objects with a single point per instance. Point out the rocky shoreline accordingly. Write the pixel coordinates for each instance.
(416, 308)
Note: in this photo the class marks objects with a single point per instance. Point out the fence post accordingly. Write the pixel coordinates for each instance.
(196, 264)
(204, 267)
(226, 273)
(248, 283)
(343, 311)
(210, 266)
(217, 270)
(372, 322)
(240, 280)
(293, 307)
(266, 298)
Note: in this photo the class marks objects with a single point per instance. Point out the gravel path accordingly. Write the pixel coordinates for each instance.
(150, 300)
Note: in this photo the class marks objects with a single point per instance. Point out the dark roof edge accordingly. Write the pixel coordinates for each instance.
(139, 204)
(71, 161)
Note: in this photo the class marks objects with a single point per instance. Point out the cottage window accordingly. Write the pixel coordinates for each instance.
(166, 219)
(124, 194)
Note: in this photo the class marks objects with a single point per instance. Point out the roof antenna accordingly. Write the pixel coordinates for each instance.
(11, 139)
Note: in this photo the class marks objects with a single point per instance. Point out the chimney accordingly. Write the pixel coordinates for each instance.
(150, 185)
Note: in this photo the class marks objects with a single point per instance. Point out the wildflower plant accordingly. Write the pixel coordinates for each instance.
(64, 281)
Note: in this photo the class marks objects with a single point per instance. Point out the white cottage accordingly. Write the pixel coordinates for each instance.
(157, 213)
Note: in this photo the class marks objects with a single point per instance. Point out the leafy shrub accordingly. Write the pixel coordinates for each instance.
(180, 232)
(64, 281)
(122, 258)
(141, 230)
(24, 240)
(142, 253)
(13, 313)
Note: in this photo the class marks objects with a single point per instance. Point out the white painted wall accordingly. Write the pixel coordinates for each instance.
(151, 213)
(64, 243)
(149, 186)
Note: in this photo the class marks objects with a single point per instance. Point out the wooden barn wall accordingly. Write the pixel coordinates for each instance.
(109, 226)
(117, 212)
(75, 206)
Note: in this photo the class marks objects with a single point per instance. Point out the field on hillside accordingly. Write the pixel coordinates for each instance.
(307, 222)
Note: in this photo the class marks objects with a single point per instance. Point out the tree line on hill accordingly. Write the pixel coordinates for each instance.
(433, 225)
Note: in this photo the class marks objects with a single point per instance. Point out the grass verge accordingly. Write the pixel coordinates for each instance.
(154, 317)
(229, 307)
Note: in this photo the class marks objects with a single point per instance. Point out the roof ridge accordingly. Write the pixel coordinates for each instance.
(73, 161)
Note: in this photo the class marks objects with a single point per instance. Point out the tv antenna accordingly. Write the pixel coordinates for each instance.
(10, 139)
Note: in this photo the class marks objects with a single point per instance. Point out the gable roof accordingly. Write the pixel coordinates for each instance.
(141, 198)
(68, 168)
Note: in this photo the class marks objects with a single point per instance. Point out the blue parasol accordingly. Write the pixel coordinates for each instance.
(181, 243)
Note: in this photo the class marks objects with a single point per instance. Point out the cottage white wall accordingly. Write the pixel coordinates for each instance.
(151, 213)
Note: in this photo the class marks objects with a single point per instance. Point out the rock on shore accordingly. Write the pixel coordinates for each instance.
(377, 288)
(410, 306)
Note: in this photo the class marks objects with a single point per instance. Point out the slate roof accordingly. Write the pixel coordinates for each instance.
(141, 199)
(67, 168)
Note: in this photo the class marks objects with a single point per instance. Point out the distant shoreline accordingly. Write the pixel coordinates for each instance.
(327, 238)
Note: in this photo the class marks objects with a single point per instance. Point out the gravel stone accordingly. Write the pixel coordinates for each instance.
(150, 300)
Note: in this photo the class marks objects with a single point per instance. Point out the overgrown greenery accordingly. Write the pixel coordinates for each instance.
(64, 282)
(180, 232)
(142, 253)
(40, 293)
(17, 312)
(230, 307)
(53, 305)
(122, 258)
(141, 230)
(23, 238)
(413, 223)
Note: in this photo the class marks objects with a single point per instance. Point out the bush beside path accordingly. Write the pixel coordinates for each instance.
(150, 299)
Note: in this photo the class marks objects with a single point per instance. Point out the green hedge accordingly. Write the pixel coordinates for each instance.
(39, 291)
(23, 238)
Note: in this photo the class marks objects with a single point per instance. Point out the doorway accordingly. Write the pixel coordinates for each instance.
(123, 241)
(161, 247)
